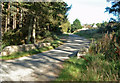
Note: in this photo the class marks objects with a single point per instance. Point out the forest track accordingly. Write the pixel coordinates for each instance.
(41, 67)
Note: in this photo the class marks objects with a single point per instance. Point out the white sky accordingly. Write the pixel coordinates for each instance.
(88, 11)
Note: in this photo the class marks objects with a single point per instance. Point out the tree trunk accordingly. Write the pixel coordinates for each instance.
(8, 18)
(30, 31)
(0, 27)
(21, 17)
(34, 32)
(14, 21)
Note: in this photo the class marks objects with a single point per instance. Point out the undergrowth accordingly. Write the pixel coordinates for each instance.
(96, 69)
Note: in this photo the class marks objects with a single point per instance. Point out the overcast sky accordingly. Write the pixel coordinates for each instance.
(88, 11)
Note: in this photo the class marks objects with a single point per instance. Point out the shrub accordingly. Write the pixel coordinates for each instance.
(46, 34)
(109, 45)
(13, 37)
(56, 43)
(55, 37)
(108, 27)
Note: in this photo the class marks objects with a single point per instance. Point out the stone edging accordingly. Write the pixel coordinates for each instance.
(20, 48)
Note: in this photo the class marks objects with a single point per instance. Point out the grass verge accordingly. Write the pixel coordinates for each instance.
(90, 34)
(96, 69)
(27, 53)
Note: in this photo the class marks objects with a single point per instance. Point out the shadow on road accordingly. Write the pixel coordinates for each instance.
(44, 66)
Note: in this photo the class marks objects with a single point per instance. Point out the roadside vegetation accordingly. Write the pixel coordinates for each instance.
(76, 25)
(27, 53)
(32, 23)
(90, 34)
(103, 56)
(103, 59)
(15, 55)
(96, 69)
(56, 42)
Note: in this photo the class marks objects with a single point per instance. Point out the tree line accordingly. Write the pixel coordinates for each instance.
(26, 22)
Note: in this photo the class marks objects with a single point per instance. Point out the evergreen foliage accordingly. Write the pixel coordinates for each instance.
(115, 10)
(76, 25)
(26, 22)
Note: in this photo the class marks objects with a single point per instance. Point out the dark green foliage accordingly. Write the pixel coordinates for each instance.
(107, 27)
(102, 27)
(55, 37)
(76, 25)
(12, 37)
(49, 17)
(66, 26)
(114, 9)
(46, 34)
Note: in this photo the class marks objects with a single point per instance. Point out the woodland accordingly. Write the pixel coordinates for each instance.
(30, 22)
